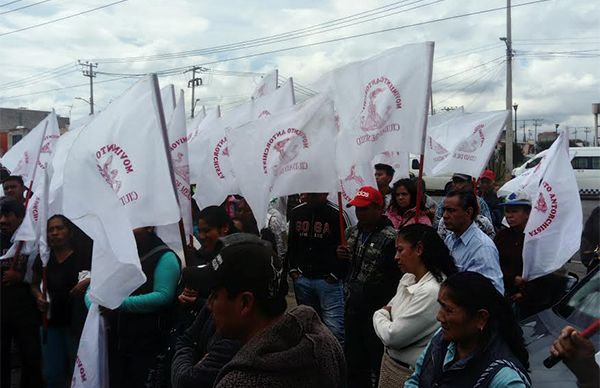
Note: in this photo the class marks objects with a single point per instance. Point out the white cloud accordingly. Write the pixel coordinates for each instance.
(556, 89)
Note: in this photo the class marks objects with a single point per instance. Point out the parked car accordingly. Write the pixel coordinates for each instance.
(432, 183)
(578, 308)
(585, 162)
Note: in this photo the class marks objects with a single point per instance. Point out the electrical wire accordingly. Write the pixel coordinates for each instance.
(294, 34)
(61, 88)
(467, 70)
(24, 7)
(61, 18)
(9, 3)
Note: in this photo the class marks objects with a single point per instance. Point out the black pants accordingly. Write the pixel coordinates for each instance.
(363, 351)
(130, 369)
(27, 338)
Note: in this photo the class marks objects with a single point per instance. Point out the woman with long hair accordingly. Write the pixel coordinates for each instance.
(408, 322)
(480, 343)
(67, 278)
(403, 207)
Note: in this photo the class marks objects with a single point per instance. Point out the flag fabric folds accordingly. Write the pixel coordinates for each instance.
(107, 190)
(553, 232)
(209, 150)
(382, 102)
(462, 142)
(288, 152)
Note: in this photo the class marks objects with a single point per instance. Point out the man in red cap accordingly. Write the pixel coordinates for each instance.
(487, 191)
(371, 283)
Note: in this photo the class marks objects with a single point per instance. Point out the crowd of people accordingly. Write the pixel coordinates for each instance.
(416, 294)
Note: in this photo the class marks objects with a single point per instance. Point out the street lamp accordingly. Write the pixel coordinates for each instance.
(84, 100)
(556, 128)
(515, 106)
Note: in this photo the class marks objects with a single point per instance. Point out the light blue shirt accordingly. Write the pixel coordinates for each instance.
(505, 378)
(475, 251)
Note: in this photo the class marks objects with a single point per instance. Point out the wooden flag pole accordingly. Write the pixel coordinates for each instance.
(165, 137)
(419, 189)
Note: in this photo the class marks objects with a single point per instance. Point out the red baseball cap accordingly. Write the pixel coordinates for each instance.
(488, 174)
(365, 196)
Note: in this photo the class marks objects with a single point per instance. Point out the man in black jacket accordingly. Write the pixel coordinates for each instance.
(200, 354)
(371, 283)
(317, 273)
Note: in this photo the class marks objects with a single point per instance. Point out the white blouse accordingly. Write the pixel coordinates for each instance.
(407, 330)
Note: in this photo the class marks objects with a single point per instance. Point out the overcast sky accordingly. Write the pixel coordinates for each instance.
(556, 68)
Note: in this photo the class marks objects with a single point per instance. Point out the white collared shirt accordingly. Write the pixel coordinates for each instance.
(407, 330)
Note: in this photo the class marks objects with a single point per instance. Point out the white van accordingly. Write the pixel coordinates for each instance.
(585, 162)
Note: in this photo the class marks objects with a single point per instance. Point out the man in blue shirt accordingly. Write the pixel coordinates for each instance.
(472, 249)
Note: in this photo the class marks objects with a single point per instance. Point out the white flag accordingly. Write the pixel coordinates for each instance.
(462, 143)
(91, 363)
(382, 102)
(179, 157)
(167, 96)
(32, 231)
(35, 148)
(267, 85)
(288, 152)
(215, 179)
(553, 232)
(117, 178)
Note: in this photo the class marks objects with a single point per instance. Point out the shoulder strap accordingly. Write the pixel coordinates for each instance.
(491, 371)
(154, 251)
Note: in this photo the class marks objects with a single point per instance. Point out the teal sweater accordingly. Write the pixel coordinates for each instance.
(166, 276)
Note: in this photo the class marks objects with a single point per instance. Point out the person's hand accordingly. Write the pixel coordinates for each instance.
(80, 288)
(42, 303)
(517, 297)
(11, 277)
(188, 297)
(570, 346)
(343, 252)
(388, 309)
(520, 282)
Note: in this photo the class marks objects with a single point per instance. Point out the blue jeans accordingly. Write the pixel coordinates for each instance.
(326, 298)
(58, 357)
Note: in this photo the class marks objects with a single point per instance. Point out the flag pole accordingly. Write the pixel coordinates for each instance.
(429, 101)
(341, 219)
(13, 262)
(165, 137)
(45, 313)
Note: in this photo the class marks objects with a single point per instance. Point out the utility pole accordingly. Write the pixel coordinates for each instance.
(536, 124)
(192, 83)
(524, 135)
(587, 130)
(88, 71)
(508, 139)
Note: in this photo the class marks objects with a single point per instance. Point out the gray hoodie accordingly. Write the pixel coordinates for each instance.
(298, 351)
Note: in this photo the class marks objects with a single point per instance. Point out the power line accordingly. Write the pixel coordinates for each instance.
(62, 18)
(48, 74)
(9, 3)
(25, 6)
(334, 40)
(61, 88)
(294, 34)
(467, 70)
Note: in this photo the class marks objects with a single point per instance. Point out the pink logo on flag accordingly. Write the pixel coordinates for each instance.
(110, 176)
(288, 145)
(21, 168)
(543, 207)
(261, 91)
(541, 204)
(474, 141)
(353, 181)
(439, 149)
(182, 169)
(381, 98)
(264, 113)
